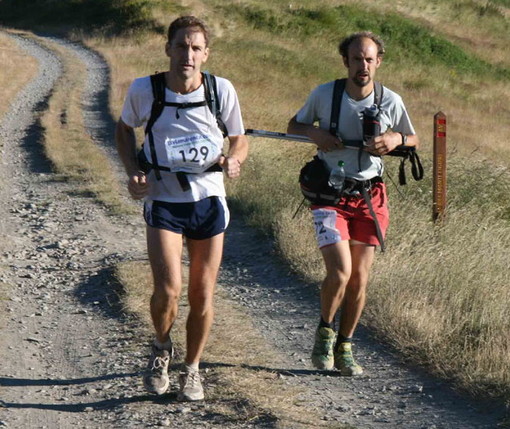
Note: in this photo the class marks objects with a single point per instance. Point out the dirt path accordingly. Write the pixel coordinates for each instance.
(71, 358)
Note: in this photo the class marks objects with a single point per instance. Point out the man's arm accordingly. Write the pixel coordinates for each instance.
(237, 153)
(322, 138)
(125, 140)
(385, 143)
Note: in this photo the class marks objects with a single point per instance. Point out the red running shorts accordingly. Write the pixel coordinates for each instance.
(350, 219)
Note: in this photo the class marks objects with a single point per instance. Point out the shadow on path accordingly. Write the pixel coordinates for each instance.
(20, 382)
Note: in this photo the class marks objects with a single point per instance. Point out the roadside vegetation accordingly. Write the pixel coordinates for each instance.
(12, 77)
(440, 293)
(67, 144)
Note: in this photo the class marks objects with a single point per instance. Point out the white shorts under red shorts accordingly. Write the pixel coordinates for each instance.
(350, 219)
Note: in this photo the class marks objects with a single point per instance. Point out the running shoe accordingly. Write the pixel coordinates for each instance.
(322, 353)
(344, 361)
(190, 386)
(155, 378)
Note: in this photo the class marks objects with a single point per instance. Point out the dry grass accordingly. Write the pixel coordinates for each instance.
(457, 311)
(13, 77)
(242, 382)
(68, 145)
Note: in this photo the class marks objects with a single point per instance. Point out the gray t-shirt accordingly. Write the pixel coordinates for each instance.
(317, 109)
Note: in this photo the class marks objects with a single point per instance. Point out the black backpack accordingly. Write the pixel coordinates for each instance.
(158, 84)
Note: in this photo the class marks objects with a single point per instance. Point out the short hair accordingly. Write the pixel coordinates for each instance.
(187, 22)
(344, 45)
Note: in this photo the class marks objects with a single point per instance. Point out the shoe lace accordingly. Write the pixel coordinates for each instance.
(191, 379)
(324, 345)
(347, 358)
(159, 363)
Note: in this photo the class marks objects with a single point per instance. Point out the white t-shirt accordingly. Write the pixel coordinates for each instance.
(317, 108)
(186, 139)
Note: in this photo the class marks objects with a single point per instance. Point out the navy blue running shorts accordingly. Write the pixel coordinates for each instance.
(196, 220)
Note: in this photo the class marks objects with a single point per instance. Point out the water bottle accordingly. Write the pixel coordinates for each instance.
(371, 123)
(337, 177)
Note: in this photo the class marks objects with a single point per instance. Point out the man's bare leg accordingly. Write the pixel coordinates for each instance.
(355, 293)
(337, 259)
(205, 258)
(165, 253)
(165, 250)
(352, 307)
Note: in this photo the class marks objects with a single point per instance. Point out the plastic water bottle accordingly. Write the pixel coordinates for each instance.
(337, 177)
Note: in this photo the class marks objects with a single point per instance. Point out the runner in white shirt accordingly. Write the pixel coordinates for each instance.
(182, 198)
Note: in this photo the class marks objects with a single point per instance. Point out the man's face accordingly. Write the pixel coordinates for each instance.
(362, 61)
(187, 52)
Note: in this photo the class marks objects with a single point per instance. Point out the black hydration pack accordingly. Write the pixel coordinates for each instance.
(158, 84)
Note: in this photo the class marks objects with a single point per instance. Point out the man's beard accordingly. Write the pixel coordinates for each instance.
(361, 83)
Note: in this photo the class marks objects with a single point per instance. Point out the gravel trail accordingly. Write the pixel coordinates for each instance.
(70, 356)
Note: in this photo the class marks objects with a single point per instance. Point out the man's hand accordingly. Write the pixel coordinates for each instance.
(138, 186)
(324, 140)
(383, 144)
(231, 166)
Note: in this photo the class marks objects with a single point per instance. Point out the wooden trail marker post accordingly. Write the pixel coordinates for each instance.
(439, 168)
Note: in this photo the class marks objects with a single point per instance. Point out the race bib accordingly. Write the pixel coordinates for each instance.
(325, 227)
(191, 154)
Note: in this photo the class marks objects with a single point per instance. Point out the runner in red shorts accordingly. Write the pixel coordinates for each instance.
(348, 233)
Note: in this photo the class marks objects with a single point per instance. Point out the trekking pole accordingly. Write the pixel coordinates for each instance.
(276, 135)
(400, 150)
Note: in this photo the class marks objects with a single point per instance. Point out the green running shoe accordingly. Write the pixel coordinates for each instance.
(344, 361)
(322, 353)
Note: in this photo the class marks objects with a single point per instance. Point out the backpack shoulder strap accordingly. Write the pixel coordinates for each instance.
(211, 92)
(338, 92)
(213, 101)
(158, 85)
(378, 94)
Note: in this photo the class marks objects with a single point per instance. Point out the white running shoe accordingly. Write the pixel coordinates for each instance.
(155, 378)
(190, 385)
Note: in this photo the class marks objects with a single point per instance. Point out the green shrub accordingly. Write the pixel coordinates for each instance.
(410, 42)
